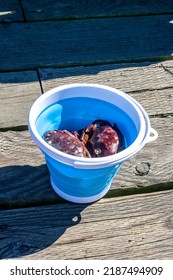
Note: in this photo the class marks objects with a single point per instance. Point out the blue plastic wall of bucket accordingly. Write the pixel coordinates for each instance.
(73, 114)
(81, 184)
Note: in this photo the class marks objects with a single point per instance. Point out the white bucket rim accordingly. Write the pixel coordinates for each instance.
(87, 163)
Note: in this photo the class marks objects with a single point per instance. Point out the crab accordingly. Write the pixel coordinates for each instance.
(67, 142)
(98, 139)
(101, 138)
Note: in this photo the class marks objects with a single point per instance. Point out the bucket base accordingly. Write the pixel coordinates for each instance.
(76, 199)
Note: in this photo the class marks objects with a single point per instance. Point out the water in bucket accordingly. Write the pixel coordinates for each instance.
(75, 113)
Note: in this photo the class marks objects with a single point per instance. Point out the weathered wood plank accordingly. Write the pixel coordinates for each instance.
(168, 64)
(10, 11)
(138, 227)
(144, 83)
(18, 90)
(129, 77)
(111, 40)
(153, 164)
(24, 178)
(53, 9)
(151, 85)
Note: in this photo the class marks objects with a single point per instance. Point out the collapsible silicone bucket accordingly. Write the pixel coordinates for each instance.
(74, 106)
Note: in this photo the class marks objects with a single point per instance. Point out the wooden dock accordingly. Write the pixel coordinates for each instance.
(127, 45)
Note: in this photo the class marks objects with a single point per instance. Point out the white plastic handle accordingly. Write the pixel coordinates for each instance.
(152, 136)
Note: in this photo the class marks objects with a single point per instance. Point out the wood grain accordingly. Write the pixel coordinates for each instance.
(24, 178)
(17, 93)
(10, 11)
(111, 40)
(151, 85)
(129, 77)
(138, 227)
(53, 9)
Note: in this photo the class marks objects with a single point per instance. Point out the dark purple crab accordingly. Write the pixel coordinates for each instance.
(98, 139)
(101, 138)
(67, 142)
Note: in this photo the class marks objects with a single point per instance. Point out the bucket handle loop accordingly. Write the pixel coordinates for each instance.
(153, 135)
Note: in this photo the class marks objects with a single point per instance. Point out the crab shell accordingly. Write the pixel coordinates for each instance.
(102, 139)
(66, 142)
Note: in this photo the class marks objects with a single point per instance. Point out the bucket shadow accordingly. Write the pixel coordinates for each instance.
(30, 230)
(32, 215)
(26, 186)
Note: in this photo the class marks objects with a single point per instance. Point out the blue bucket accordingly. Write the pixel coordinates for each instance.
(74, 106)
